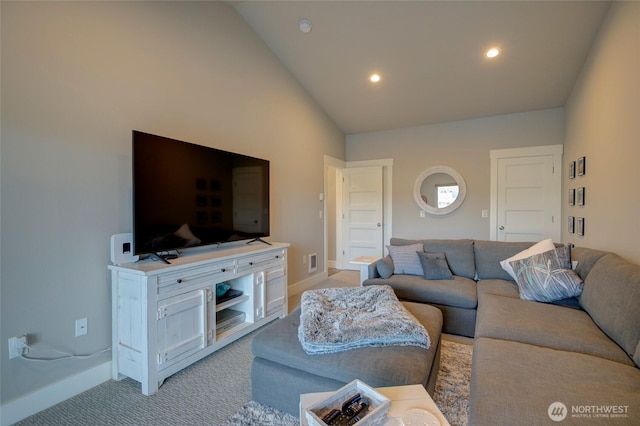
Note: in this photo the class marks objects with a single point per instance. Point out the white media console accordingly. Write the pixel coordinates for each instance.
(165, 317)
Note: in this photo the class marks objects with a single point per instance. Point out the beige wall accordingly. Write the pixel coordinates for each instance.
(77, 77)
(463, 145)
(603, 125)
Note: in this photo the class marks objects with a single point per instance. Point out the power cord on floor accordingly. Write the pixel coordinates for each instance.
(65, 355)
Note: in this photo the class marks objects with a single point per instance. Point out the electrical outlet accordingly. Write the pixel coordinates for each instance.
(81, 327)
(17, 346)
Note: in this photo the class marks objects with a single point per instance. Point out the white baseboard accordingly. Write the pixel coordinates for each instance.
(332, 263)
(51, 395)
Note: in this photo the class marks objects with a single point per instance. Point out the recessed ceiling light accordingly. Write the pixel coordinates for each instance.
(493, 52)
(374, 78)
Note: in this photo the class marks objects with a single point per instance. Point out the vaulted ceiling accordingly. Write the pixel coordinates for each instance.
(430, 56)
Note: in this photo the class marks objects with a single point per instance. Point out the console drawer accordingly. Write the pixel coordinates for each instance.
(183, 279)
(260, 262)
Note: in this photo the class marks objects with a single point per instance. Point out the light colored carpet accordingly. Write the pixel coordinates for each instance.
(205, 393)
(451, 394)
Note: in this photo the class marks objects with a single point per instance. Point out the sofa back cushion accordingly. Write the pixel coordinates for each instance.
(459, 253)
(489, 254)
(586, 258)
(611, 296)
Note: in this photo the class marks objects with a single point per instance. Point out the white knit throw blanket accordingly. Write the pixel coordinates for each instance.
(339, 319)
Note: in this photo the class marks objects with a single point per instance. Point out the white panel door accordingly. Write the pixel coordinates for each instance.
(362, 213)
(527, 196)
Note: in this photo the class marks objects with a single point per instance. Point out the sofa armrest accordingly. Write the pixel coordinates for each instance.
(373, 270)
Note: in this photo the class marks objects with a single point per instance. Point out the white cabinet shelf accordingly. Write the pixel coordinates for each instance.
(165, 317)
(232, 302)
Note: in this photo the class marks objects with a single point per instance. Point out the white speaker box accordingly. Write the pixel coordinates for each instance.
(122, 249)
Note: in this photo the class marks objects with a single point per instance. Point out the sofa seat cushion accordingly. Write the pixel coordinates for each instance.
(514, 384)
(459, 292)
(546, 325)
(498, 287)
(388, 366)
(510, 289)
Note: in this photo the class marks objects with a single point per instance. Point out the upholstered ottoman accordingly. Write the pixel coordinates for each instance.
(282, 370)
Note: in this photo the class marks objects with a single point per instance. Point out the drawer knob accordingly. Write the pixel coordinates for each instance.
(223, 270)
(250, 263)
(179, 280)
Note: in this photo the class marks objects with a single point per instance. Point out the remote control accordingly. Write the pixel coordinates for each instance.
(350, 401)
(331, 416)
(352, 414)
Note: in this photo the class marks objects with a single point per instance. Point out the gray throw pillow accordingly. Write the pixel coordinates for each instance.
(405, 259)
(385, 267)
(435, 266)
(547, 277)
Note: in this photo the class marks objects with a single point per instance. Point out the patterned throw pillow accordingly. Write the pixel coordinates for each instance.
(537, 248)
(547, 277)
(405, 259)
(435, 266)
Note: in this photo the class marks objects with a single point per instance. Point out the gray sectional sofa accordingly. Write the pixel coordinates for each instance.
(574, 360)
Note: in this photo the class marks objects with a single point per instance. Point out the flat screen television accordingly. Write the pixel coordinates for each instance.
(187, 195)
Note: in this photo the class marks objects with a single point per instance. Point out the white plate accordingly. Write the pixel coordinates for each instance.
(419, 417)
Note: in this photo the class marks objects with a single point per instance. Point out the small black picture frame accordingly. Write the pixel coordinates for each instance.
(580, 226)
(580, 196)
(571, 225)
(572, 170)
(582, 166)
(572, 197)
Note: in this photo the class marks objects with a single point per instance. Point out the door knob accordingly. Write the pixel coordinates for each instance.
(501, 228)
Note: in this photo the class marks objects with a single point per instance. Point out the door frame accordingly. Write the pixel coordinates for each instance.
(387, 231)
(545, 150)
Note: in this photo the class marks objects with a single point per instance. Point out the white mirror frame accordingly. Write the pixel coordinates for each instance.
(462, 190)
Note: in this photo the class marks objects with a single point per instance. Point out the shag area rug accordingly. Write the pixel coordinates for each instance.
(451, 394)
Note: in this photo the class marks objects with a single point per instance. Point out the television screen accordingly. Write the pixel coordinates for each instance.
(187, 195)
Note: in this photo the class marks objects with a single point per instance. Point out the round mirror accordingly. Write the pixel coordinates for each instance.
(439, 190)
